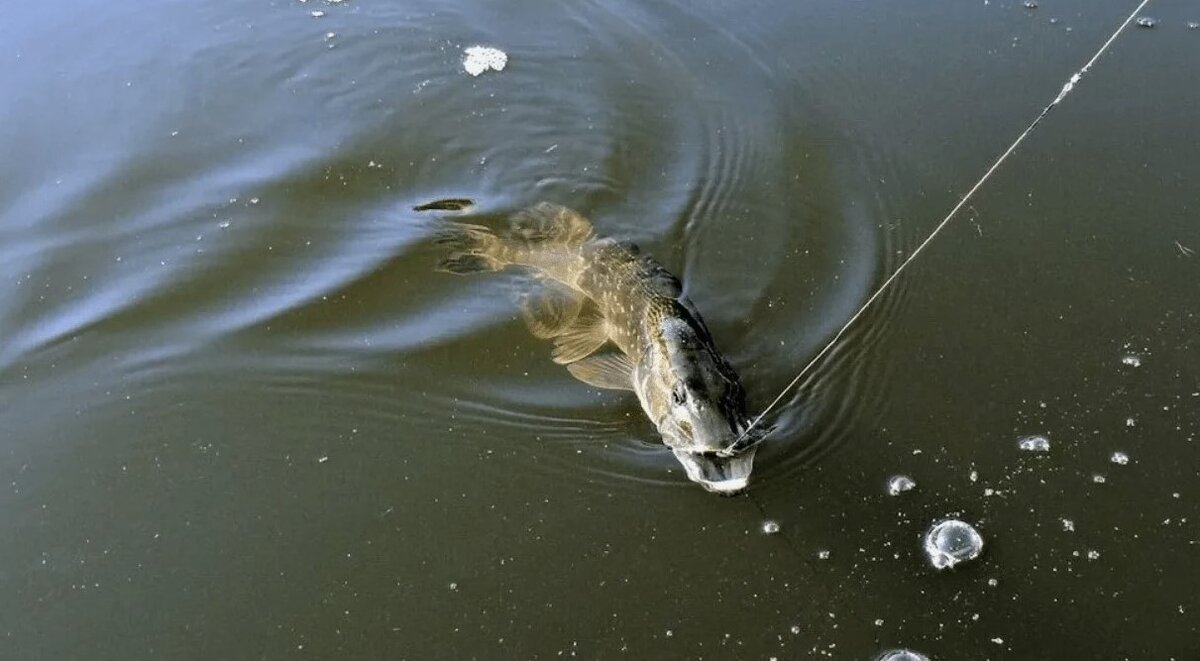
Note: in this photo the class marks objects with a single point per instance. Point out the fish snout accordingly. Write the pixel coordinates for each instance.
(719, 474)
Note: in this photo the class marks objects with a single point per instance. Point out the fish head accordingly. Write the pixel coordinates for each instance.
(699, 407)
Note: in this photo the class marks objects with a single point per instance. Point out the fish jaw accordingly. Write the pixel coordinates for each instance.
(727, 476)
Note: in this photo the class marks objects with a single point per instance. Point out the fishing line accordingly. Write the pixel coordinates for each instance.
(1066, 89)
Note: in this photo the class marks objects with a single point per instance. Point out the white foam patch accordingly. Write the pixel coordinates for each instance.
(480, 59)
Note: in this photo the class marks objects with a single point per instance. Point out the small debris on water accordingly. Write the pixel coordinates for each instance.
(1035, 443)
(317, 13)
(480, 59)
(453, 587)
(449, 204)
(1132, 360)
(1130, 422)
(770, 527)
(1193, 25)
(322, 460)
(1098, 478)
(823, 554)
(898, 484)
(1030, 4)
(901, 655)
(1119, 458)
(1146, 22)
(952, 541)
(795, 629)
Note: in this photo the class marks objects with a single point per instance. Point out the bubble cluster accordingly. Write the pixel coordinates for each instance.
(770, 527)
(952, 541)
(1119, 458)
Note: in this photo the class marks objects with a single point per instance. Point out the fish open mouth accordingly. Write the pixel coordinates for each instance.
(718, 474)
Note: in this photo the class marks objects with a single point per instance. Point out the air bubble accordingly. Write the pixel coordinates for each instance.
(898, 484)
(1146, 22)
(901, 655)
(952, 541)
(1035, 443)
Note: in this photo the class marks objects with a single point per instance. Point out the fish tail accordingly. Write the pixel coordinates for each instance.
(530, 233)
(472, 249)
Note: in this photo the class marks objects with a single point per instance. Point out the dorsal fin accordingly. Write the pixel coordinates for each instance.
(550, 223)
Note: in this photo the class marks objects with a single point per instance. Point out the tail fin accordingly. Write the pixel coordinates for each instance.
(473, 249)
(476, 248)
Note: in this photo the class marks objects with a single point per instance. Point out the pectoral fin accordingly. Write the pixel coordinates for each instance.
(552, 311)
(581, 337)
(609, 370)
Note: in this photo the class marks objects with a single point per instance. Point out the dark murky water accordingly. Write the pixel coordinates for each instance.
(242, 418)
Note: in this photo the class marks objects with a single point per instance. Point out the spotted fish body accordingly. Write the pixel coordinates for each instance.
(620, 320)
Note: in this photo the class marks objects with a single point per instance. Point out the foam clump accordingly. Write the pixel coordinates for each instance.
(480, 59)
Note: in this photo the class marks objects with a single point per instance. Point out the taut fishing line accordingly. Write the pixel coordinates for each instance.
(1062, 94)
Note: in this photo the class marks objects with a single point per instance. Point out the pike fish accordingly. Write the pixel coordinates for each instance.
(620, 320)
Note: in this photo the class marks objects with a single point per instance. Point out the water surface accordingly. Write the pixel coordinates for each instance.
(243, 418)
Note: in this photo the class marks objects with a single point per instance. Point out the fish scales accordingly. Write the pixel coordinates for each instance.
(620, 320)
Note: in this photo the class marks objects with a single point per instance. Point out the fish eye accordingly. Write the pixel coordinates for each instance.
(678, 395)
